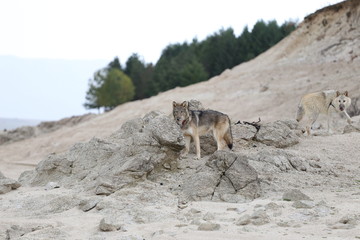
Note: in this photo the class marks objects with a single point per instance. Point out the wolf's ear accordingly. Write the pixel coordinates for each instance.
(185, 104)
(337, 93)
(346, 93)
(174, 104)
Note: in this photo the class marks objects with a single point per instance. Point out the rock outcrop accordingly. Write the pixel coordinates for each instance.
(7, 184)
(26, 132)
(227, 176)
(106, 165)
(146, 149)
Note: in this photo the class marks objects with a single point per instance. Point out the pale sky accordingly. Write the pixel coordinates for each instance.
(103, 29)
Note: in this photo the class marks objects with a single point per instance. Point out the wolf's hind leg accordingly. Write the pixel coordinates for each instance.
(310, 121)
(218, 138)
(197, 145)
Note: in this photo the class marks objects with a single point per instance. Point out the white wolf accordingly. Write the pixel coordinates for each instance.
(312, 104)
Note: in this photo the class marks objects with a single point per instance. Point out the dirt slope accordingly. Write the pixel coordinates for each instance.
(321, 54)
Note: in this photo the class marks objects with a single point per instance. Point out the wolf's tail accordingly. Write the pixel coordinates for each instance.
(228, 136)
(300, 113)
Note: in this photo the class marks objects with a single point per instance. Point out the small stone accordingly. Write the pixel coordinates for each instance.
(272, 206)
(260, 218)
(109, 224)
(7, 184)
(195, 211)
(231, 209)
(283, 224)
(88, 204)
(238, 210)
(295, 195)
(209, 226)
(303, 204)
(167, 166)
(52, 185)
(244, 220)
(182, 203)
(103, 190)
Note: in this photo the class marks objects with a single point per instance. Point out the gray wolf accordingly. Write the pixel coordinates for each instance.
(195, 123)
(312, 104)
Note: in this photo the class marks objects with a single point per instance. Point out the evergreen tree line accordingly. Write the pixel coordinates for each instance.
(181, 64)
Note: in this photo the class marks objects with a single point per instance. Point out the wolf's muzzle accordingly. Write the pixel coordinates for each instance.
(342, 107)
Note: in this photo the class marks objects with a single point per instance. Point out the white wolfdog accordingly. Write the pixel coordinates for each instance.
(312, 104)
(194, 124)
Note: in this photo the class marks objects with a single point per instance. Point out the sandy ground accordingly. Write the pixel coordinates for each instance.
(335, 196)
(314, 57)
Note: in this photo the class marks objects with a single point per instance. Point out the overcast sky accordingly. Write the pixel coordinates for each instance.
(102, 29)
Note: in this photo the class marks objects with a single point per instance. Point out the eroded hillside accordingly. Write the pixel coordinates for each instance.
(110, 177)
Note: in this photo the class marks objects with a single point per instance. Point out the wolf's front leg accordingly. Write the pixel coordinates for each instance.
(329, 130)
(348, 118)
(185, 151)
(197, 145)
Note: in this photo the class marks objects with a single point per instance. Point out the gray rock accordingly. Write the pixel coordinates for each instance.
(7, 184)
(226, 176)
(17, 134)
(260, 217)
(195, 105)
(104, 166)
(88, 204)
(130, 127)
(200, 186)
(109, 204)
(272, 161)
(346, 222)
(280, 134)
(208, 226)
(16, 231)
(109, 224)
(354, 109)
(52, 185)
(282, 223)
(236, 173)
(244, 131)
(303, 204)
(208, 216)
(53, 168)
(298, 163)
(207, 145)
(244, 220)
(34, 231)
(295, 195)
(302, 215)
(272, 206)
(194, 211)
(354, 127)
(26, 132)
(105, 186)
